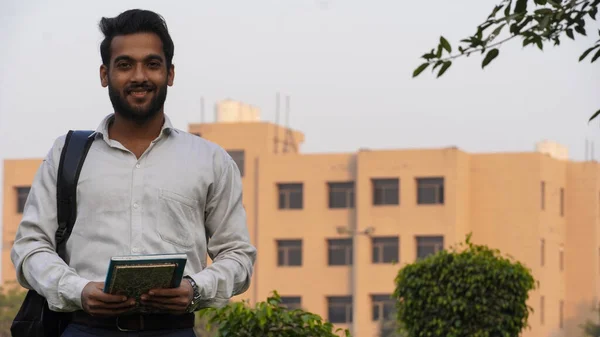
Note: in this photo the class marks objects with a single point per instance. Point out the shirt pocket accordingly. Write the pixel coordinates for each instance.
(178, 219)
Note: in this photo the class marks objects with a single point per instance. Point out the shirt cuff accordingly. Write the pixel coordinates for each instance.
(206, 284)
(71, 287)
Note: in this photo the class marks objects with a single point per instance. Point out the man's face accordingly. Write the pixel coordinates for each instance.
(137, 77)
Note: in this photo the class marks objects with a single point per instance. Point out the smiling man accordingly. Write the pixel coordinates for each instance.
(145, 188)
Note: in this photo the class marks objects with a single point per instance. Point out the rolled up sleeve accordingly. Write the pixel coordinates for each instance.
(229, 245)
(33, 254)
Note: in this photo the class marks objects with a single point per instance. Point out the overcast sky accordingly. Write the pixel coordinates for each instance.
(346, 64)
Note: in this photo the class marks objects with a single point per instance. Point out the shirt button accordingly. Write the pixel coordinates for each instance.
(135, 250)
(136, 205)
(138, 165)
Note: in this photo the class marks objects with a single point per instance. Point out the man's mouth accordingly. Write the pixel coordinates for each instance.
(140, 93)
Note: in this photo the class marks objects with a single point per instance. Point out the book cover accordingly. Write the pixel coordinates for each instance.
(135, 275)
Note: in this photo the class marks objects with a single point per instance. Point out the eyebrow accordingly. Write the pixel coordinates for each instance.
(150, 57)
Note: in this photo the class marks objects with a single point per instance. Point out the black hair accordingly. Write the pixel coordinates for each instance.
(131, 22)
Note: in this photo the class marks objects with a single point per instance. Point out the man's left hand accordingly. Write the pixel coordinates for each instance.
(175, 301)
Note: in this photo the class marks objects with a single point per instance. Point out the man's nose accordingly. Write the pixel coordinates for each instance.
(139, 73)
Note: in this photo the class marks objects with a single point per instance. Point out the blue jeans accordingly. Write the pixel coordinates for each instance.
(77, 330)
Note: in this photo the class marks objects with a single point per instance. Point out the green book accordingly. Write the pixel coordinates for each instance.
(135, 275)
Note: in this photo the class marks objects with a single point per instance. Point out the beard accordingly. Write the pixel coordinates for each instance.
(137, 114)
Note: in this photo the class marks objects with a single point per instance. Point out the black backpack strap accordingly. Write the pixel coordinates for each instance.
(77, 145)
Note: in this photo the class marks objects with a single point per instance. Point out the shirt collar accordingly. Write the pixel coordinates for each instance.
(102, 129)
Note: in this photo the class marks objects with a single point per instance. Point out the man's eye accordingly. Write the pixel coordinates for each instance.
(154, 64)
(123, 65)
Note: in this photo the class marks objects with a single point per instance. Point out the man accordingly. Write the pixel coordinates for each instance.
(145, 188)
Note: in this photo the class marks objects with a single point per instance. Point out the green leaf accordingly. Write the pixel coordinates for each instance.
(438, 54)
(445, 67)
(507, 9)
(585, 53)
(545, 22)
(445, 44)
(569, 32)
(491, 55)
(498, 30)
(420, 69)
(596, 56)
(594, 115)
(521, 6)
(544, 11)
(554, 3)
(580, 30)
(495, 11)
(539, 43)
(593, 12)
(437, 64)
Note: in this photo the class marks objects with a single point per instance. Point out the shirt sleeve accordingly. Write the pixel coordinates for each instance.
(229, 245)
(33, 254)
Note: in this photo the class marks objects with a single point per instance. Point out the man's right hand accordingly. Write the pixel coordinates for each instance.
(98, 303)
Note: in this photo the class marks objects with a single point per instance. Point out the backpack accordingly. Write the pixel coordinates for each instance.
(35, 319)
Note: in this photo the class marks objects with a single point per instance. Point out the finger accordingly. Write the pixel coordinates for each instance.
(95, 305)
(174, 292)
(181, 301)
(108, 298)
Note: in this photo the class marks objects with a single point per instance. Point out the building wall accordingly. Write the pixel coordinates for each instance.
(496, 197)
(17, 173)
(582, 248)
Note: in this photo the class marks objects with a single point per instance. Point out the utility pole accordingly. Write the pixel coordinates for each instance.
(354, 232)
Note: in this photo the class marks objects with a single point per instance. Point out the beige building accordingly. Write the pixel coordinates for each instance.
(304, 210)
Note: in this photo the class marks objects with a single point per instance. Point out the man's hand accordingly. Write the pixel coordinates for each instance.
(174, 301)
(97, 303)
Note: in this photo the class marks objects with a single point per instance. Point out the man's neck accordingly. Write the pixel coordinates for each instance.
(125, 129)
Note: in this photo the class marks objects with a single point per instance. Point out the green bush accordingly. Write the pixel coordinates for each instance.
(268, 319)
(470, 292)
(11, 298)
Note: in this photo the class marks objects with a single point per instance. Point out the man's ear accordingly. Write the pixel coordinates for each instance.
(104, 76)
(171, 75)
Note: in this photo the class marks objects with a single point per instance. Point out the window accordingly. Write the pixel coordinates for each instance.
(543, 194)
(290, 196)
(291, 302)
(289, 252)
(543, 252)
(561, 308)
(22, 194)
(238, 157)
(562, 201)
(339, 252)
(561, 260)
(430, 191)
(339, 309)
(385, 249)
(429, 245)
(386, 191)
(542, 304)
(341, 195)
(382, 306)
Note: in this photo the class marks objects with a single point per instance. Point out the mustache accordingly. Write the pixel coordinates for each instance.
(141, 86)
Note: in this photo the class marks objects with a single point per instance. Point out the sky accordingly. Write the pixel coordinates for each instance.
(346, 65)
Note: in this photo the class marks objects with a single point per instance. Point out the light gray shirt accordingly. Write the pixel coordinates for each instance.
(183, 195)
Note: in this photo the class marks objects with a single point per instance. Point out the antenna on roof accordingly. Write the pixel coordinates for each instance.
(276, 139)
(289, 135)
(202, 109)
